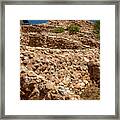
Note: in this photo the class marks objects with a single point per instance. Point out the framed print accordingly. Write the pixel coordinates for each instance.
(60, 59)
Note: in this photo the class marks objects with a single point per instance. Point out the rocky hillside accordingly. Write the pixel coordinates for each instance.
(57, 64)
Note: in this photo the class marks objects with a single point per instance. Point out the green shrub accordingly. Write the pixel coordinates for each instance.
(73, 28)
(58, 30)
(97, 29)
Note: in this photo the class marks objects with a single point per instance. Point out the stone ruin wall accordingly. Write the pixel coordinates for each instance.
(57, 54)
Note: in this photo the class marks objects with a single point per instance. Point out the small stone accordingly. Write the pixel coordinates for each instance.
(70, 88)
(23, 69)
(50, 85)
(38, 60)
(57, 81)
(85, 68)
(38, 80)
(80, 93)
(80, 81)
(83, 73)
(73, 98)
(31, 56)
(27, 89)
(25, 58)
(77, 85)
(36, 65)
(61, 89)
(21, 55)
(54, 91)
(65, 82)
(33, 81)
(61, 84)
(85, 81)
(26, 62)
(67, 91)
(32, 49)
(40, 77)
(51, 51)
(82, 90)
(82, 84)
(86, 59)
(31, 74)
(57, 51)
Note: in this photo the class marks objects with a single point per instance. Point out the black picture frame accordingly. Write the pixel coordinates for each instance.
(2, 60)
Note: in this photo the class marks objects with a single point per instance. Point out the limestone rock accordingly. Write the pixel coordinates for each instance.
(31, 74)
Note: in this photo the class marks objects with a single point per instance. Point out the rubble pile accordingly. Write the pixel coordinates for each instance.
(59, 66)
